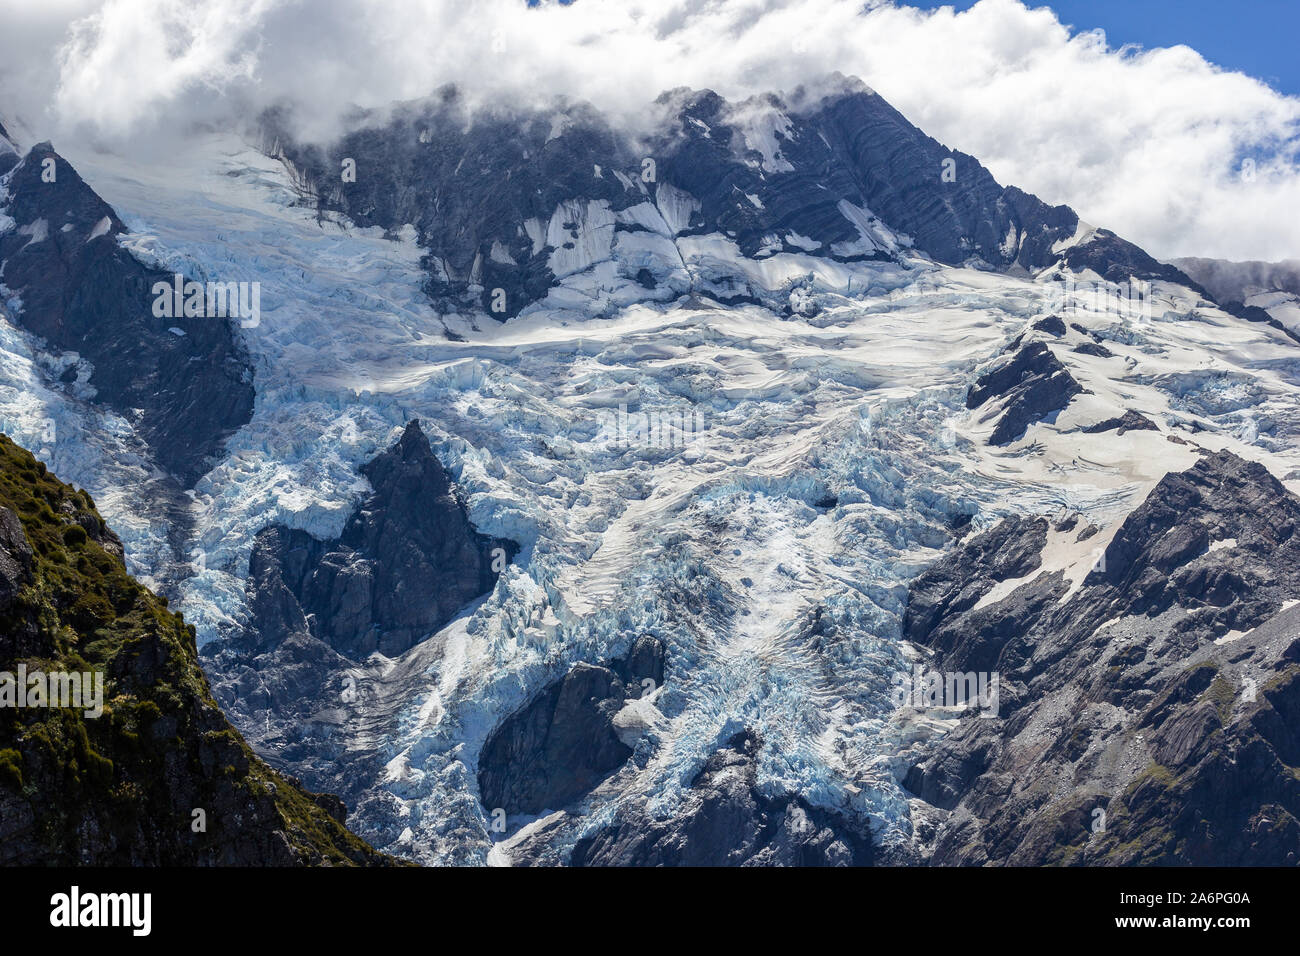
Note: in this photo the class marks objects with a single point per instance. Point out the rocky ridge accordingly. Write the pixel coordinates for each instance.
(1147, 709)
(159, 778)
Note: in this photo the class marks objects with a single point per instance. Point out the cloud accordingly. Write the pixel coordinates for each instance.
(1150, 143)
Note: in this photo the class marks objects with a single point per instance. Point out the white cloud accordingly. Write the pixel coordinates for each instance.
(1148, 143)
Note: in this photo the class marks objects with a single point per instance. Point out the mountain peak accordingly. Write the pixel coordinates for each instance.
(545, 208)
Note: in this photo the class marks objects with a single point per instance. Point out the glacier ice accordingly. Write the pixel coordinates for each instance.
(771, 553)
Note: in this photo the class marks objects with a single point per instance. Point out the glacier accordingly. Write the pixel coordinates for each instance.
(836, 450)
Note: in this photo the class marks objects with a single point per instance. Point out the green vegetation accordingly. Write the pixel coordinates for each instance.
(1147, 845)
(1222, 692)
(122, 788)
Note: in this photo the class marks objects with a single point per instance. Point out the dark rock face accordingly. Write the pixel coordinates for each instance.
(1052, 325)
(727, 822)
(1148, 717)
(900, 172)
(1010, 550)
(1095, 349)
(563, 743)
(1116, 260)
(1033, 359)
(276, 611)
(467, 185)
(82, 292)
(291, 702)
(15, 558)
(703, 152)
(1130, 421)
(853, 146)
(408, 560)
(469, 181)
(1031, 385)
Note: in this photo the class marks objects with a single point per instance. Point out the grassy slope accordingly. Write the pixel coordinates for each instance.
(121, 789)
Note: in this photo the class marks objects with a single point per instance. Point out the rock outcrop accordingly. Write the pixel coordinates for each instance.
(186, 381)
(1052, 325)
(726, 821)
(509, 203)
(408, 560)
(1148, 713)
(1029, 386)
(565, 741)
(1130, 421)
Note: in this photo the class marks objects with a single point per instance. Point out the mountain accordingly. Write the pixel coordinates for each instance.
(521, 201)
(408, 561)
(149, 772)
(1147, 711)
(184, 379)
(1238, 281)
(591, 495)
(1259, 291)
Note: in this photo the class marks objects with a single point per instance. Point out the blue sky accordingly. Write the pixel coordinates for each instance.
(1257, 37)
